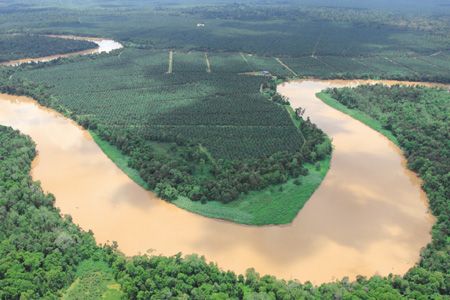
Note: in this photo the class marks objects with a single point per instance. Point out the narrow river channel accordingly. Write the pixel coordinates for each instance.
(368, 217)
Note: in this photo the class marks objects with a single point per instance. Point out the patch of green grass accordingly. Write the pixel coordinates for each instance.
(94, 281)
(274, 205)
(358, 115)
(278, 204)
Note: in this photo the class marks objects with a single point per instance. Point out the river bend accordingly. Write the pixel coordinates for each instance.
(368, 217)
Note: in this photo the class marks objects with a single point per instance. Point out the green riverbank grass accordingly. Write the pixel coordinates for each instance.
(278, 204)
(95, 280)
(358, 115)
(274, 205)
(119, 159)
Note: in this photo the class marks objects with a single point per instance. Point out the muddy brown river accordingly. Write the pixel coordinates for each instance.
(368, 217)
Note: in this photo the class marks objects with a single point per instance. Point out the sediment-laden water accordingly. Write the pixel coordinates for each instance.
(368, 217)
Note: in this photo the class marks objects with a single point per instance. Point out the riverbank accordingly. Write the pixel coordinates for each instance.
(120, 159)
(358, 115)
(278, 204)
(88, 186)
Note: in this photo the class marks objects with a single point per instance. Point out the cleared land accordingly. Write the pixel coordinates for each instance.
(170, 68)
(285, 66)
(208, 64)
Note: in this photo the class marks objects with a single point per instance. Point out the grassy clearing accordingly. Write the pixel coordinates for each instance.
(94, 281)
(358, 115)
(297, 122)
(170, 68)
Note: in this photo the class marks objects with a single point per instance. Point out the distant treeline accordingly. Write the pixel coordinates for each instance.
(18, 46)
(419, 118)
(286, 29)
(291, 12)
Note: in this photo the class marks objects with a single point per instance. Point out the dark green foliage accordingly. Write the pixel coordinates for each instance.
(170, 277)
(419, 119)
(206, 136)
(318, 41)
(39, 250)
(269, 88)
(180, 170)
(396, 67)
(192, 278)
(309, 66)
(133, 91)
(19, 46)
(230, 63)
